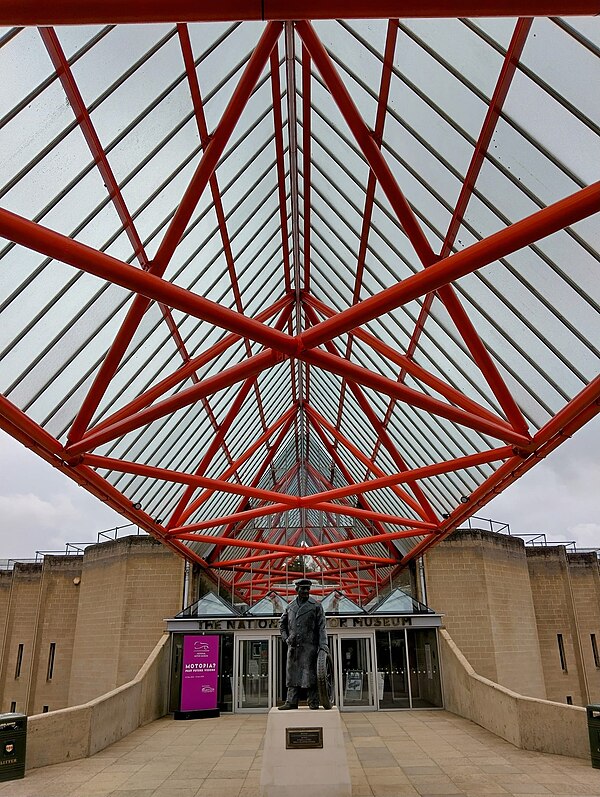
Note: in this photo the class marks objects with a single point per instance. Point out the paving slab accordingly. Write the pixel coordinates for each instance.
(391, 754)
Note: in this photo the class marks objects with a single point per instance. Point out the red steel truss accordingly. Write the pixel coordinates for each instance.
(299, 481)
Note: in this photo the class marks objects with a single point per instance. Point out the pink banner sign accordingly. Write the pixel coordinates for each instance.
(200, 673)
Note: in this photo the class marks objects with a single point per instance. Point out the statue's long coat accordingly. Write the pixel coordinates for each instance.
(307, 622)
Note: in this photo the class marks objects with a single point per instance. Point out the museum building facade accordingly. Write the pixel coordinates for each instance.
(75, 627)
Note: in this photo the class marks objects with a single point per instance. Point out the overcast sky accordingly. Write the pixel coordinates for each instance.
(42, 510)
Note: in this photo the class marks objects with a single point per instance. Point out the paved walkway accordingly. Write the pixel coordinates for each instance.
(396, 754)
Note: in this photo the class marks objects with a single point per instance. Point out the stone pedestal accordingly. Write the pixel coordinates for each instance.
(298, 772)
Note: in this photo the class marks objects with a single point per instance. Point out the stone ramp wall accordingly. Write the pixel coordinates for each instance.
(526, 722)
(81, 731)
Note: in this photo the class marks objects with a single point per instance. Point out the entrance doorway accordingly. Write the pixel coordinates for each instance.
(355, 673)
(392, 670)
(253, 679)
(408, 674)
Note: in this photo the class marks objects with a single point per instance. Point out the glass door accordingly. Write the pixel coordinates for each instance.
(355, 661)
(253, 680)
(393, 686)
(425, 680)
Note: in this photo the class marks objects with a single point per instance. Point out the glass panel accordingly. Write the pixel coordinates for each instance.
(209, 605)
(392, 670)
(424, 669)
(356, 672)
(253, 674)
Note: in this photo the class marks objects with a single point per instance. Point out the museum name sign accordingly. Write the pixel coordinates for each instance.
(272, 623)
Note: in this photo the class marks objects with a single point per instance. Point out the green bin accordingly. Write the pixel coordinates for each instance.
(13, 741)
(593, 720)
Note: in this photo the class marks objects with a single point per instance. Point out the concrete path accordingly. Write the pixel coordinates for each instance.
(396, 754)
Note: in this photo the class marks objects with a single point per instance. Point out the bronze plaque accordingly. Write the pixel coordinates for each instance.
(303, 738)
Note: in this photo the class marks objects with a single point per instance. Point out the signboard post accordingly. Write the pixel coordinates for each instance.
(199, 676)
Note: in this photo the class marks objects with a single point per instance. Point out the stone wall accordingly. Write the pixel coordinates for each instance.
(55, 631)
(526, 722)
(102, 612)
(19, 636)
(480, 582)
(128, 588)
(81, 731)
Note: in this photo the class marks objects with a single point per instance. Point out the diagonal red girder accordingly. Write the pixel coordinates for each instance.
(194, 86)
(285, 421)
(540, 224)
(382, 103)
(511, 59)
(425, 510)
(365, 141)
(567, 211)
(447, 294)
(417, 371)
(346, 473)
(357, 373)
(230, 376)
(177, 226)
(225, 426)
(306, 155)
(278, 135)
(63, 70)
(183, 372)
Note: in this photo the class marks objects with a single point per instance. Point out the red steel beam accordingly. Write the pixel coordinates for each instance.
(344, 470)
(185, 371)
(285, 422)
(230, 376)
(306, 147)
(278, 135)
(417, 371)
(97, 12)
(511, 61)
(580, 410)
(469, 461)
(60, 247)
(425, 509)
(177, 477)
(344, 557)
(422, 505)
(256, 480)
(273, 509)
(447, 294)
(364, 138)
(186, 207)
(188, 58)
(547, 221)
(213, 448)
(382, 102)
(369, 514)
(341, 367)
(22, 428)
(300, 550)
(319, 421)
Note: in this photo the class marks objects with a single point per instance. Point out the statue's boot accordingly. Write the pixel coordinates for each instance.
(287, 707)
(314, 706)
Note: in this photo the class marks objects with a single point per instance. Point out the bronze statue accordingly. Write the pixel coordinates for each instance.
(302, 628)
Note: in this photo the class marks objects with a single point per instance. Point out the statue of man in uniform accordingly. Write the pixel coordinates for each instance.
(302, 628)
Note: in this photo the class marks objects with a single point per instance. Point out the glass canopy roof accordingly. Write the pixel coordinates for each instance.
(298, 290)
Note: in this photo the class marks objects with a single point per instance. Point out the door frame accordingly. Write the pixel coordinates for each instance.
(252, 637)
(369, 636)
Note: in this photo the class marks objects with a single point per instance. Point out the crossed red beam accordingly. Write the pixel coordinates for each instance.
(435, 278)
